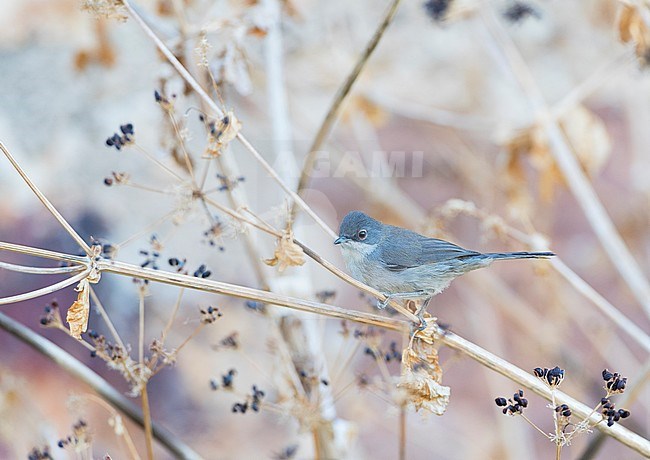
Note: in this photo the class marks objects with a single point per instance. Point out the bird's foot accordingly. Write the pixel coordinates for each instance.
(423, 322)
(381, 304)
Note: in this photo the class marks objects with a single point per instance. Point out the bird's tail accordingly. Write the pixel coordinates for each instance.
(519, 255)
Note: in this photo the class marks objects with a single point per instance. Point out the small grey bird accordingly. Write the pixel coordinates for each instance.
(403, 264)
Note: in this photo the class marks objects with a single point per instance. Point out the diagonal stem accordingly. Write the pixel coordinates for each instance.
(335, 107)
(76, 368)
(57, 215)
(565, 158)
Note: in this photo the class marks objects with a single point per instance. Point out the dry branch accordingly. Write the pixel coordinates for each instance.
(76, 368)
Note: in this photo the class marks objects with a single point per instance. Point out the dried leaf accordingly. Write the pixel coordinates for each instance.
(588, 137)
(77, 316)
(633, 29)
(422, 374)
(424, 392)
(287, 253)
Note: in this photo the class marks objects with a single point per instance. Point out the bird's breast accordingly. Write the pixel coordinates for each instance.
(356, 257)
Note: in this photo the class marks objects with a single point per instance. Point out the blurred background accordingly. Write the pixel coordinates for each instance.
(438, 135)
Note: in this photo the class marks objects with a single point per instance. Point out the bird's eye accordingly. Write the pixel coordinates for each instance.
(362, 234)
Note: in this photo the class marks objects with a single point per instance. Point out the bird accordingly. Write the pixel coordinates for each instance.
(402, 264)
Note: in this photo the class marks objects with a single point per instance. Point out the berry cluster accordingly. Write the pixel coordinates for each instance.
(253, 402)
(613, 415)
(614, 382)
(514, 405)
(563, 410)
(118, 141)
(553, 376)
(210, 315)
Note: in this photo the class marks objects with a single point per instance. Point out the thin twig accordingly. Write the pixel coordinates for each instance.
(40, 270)
(191, 81)
(148, 430)
(43, 199)
(102, 311)
(335, 107)
(46, 290)
(217, 287)
(45, 253)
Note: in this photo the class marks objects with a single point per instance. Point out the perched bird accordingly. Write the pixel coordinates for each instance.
(403, 264)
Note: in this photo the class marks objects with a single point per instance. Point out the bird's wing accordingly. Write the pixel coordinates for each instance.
(414, 250)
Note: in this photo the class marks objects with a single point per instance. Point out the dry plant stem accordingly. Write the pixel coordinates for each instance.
(359, 285)
(538, 243)
(40, 270)
(146, 412)
(609, 310)
(74, 367)
(217, 287)
(335, 107)
(630, 395)
(558, 443)
(45, 253)
(566, 160)
(324, 263)
(595, 80)
(64, 223)
(503, 367)
(237, 200)
(156, 161)
(192, 82)
(133, 452)
(169, 324)
(146, 229)
(102, 311)
(46, 290)
(141, 326)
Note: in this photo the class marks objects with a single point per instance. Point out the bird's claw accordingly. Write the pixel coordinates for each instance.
(423, 322)
(381, 304)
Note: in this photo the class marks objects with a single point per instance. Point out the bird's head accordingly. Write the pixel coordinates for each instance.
(359, 230)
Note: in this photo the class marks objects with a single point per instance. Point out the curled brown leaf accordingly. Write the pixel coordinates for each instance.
(422, 376)
(287, 253)
(79, 311)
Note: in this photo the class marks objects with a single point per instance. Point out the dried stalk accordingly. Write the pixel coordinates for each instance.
(527, 380)
(191, 282)
(190, 80)
(57, 215)
(79, 370)
(335, 107)
(566, 160)
(453, 341)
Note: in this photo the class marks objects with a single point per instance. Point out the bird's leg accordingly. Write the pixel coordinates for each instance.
(420, 313)
(381, 304)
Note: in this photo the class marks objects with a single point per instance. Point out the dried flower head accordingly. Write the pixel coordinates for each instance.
(203, 49)
(109, 9)
(614, 383)
(221, 133)
(514, 405)
(551, 377)
(287, 253)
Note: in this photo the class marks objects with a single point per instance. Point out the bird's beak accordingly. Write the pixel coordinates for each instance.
(341, 239)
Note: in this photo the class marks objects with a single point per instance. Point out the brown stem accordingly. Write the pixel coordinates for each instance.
(335, 108)
(148, 433)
